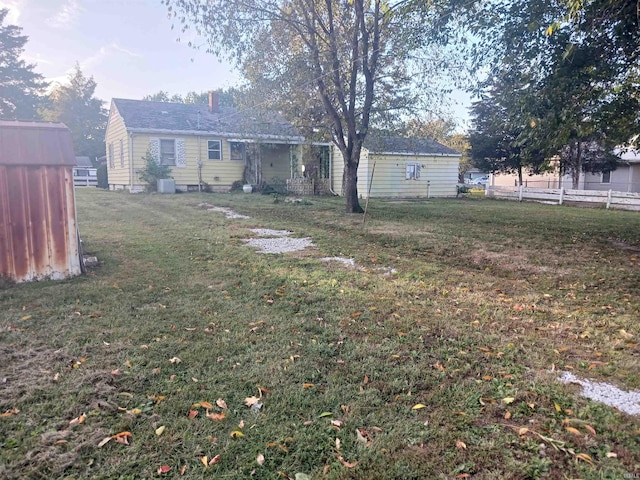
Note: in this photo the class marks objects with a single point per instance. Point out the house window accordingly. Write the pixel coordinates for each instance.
(606, 177)
(112, 163)
(167, 152)
(412, 171)
(214, 150)
(238, 150)
(121, 153)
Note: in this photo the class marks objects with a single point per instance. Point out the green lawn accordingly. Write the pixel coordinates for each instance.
(444, 367)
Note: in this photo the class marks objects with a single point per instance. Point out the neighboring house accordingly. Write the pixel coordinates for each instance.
(38, 231)
(84, 173)
(204, 145)
(404, 167)
(625, 178)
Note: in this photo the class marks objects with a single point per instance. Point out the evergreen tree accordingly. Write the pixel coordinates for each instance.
(20, 86)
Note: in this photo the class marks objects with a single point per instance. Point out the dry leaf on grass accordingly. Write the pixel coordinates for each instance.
(164, 469)
(347, 464)
(160, 430)
(250, 401)
(461, 445)
(221, 403)
(260, 459)
(215, 416)
(175, 360)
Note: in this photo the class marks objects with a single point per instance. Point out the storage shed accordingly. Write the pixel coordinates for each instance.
(38, 230)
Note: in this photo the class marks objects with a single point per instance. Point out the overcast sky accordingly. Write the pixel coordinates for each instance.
(126, 45)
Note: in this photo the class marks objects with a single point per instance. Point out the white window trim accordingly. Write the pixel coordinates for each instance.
(121, 153)
(412, 171)
(244, 151)
(219, 150)
(112, 162)
(160, 151)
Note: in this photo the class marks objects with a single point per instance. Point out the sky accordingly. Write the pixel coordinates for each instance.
(128, 47)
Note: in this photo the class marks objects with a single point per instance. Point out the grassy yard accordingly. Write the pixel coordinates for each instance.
(443, 369)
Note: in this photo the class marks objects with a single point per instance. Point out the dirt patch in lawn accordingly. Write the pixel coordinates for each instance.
(514, 262)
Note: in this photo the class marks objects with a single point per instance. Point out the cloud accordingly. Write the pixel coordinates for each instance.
(104, 52)
(14, 7)
(67, 15)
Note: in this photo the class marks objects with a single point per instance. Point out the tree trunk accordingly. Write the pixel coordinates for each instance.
(520, 175)
(350, 180)
(577, 167)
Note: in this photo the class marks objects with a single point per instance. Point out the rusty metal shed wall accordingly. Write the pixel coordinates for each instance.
(38, 231)
(35, 143)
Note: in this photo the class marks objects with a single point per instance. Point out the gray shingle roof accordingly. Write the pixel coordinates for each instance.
(83, 162)
(422, 146)
(144, 115)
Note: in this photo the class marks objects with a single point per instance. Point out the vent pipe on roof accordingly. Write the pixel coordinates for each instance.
(214, 102)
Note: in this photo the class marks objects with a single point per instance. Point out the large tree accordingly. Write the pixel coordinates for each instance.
(74, 105)
(346, 59)
(20, 87)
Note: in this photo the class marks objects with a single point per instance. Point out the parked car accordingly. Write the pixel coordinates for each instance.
(479, 180)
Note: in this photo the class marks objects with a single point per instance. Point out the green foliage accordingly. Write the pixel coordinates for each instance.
(226, 97)
(20, 87)
(152, 172)
(103, 176)
(74, 105)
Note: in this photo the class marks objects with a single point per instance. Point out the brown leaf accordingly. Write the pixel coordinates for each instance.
(8, 413)
(575, 431)
(241, 424)
(104, 441)
(236, 434)
(206, 405)
(308, 385)
(163, 469)
(347, 464)
(585, 458)
(122, 437)
(591, 429)
(215, 460)
(193, 413)
(216, 416)
(205, 461)
(461, 445)
(356, 314)
(260, 459)
(78, 420)
(507, 415)
(249, 401)
(221, 403)
(175, 360)
(463, 475)
(183, 469)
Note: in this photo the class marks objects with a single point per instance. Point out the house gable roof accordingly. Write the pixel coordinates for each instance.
(166, 117)
(407, 146)
(83, 161)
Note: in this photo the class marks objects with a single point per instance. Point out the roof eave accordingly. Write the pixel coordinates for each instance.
(229, 135)
(416, 154)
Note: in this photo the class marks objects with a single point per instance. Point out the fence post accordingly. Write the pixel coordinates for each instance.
(428, 188)
(521, 193)
(561, 196)
(609, 199)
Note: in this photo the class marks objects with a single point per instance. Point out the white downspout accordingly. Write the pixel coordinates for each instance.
(331, 170)
(130, 162)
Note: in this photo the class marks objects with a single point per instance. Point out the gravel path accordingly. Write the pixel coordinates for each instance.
(628, 402)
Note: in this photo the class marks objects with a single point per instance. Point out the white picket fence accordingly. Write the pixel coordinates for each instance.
(560, 196)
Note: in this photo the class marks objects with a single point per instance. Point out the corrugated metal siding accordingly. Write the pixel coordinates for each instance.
(38, 231)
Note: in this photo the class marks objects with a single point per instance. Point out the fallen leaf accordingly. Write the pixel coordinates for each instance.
(163, 469)
(221, 403)
(585, 458)
(241, 424)
(183, 469)
(122, 437)
(347, 464)
(307, 423)
(418, 406)
(175, 360)
(507, 415)
(307, 385)
(575, 431)
(215, 460)
(260, 459)
(206, 405)
(325, 414)
(463, 475)
(612, 455)
(356, 314)
(299, 476)
(193, 413)
(160, 430)
(522, 431)
(216, 416)
(508, 400)
(78, 420)
(134, 411)
(205, 461)
(591, 429)
(461, 445)
(336, 423)
(249, 401)
(338, 444)
(104, 441)
(557, 407)
(360, 437)
(236, 434)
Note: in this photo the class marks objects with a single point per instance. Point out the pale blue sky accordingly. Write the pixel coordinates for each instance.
(126, 45)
